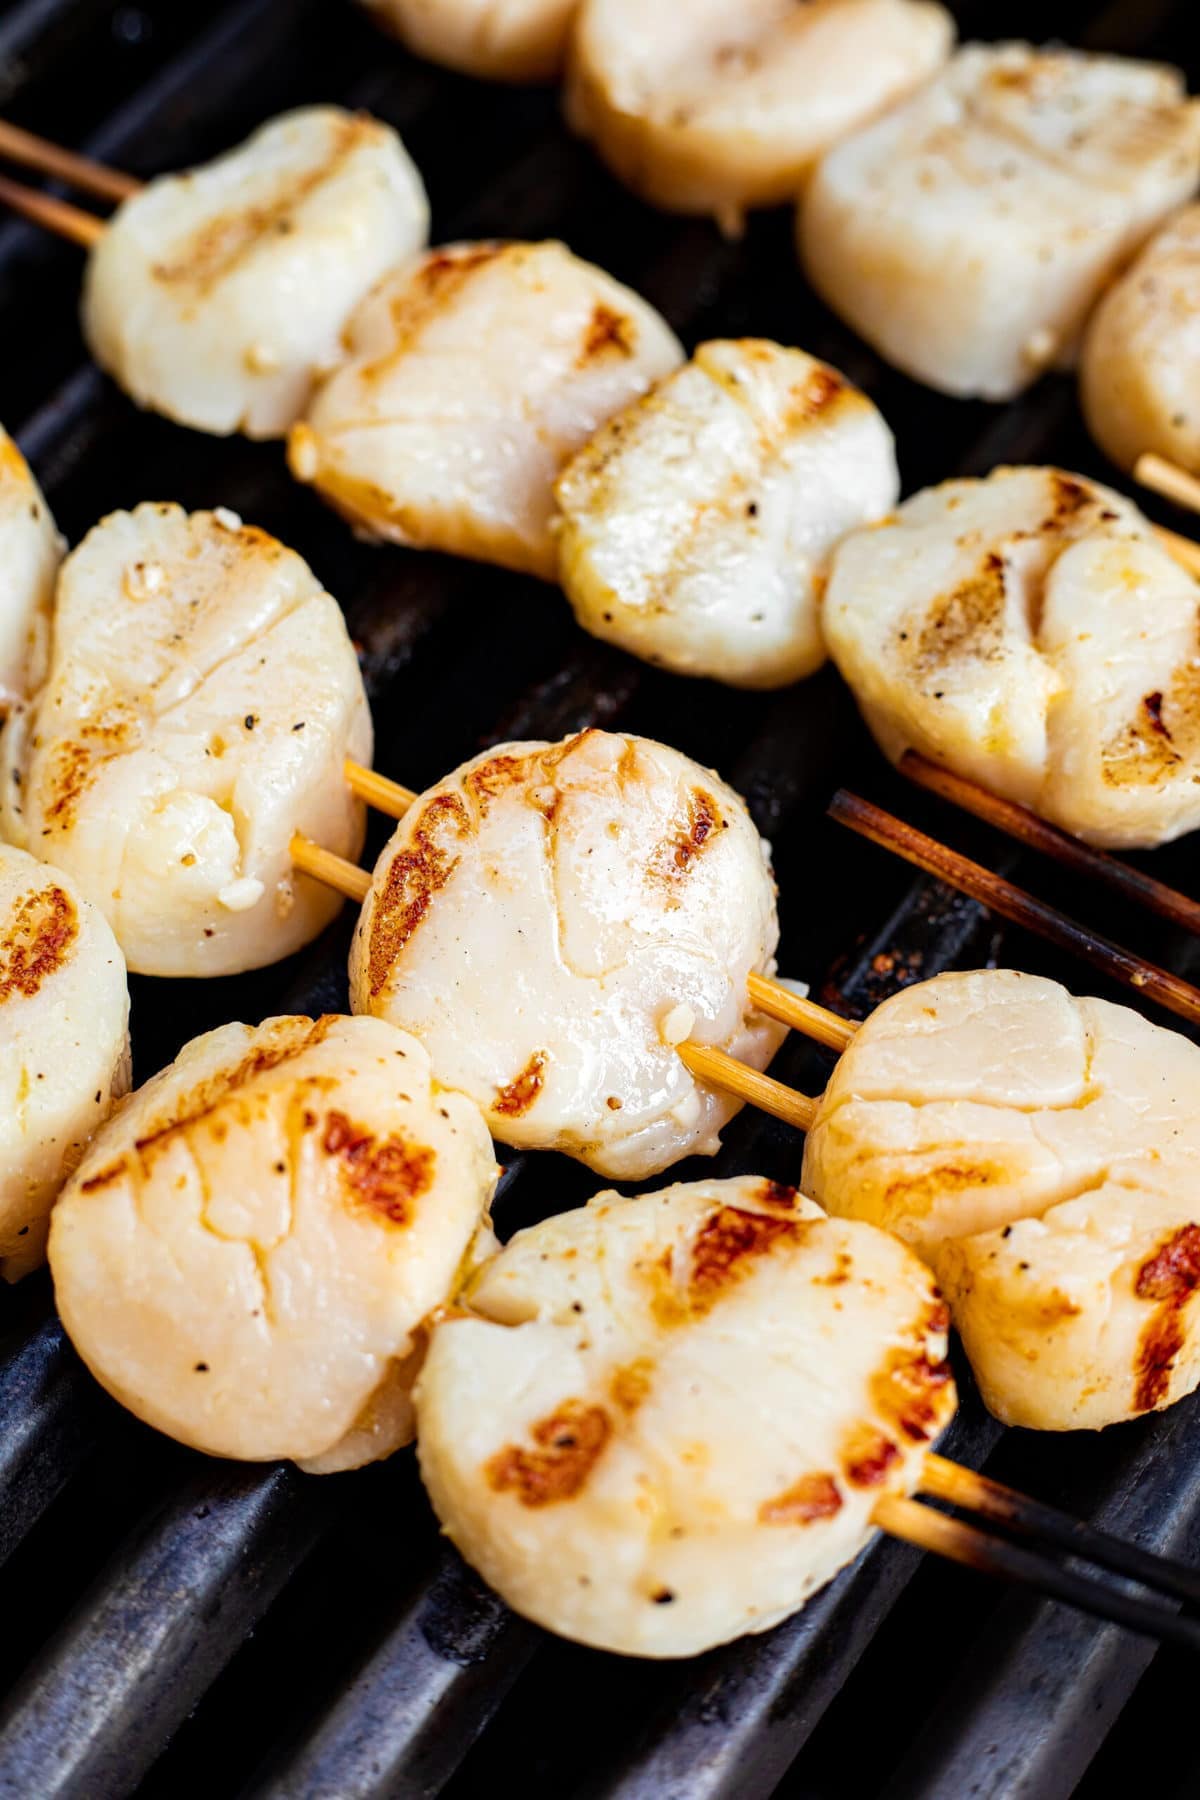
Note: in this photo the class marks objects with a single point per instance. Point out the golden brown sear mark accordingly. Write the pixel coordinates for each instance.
(819, 391)
(606, 331)
(867, 1455)
(630, 1383)
(811, 1498)
(40, 929)
(778, 1194)
(1163, 735)
(414, 876)
(569, 1444)
(968, 621)
(384, 1175)
(727, 1244)
(677, 855)
(516, 1099)
(917, 1193)
(910, 1391)
(1170, 1277)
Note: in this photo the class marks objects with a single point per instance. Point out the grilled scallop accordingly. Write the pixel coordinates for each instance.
(64, 1044)
(218, 297)
(968, 233)
(1042, 1153)
(551, 920)
(697, 523)
(707, 108)
(245, 1255)
(1139, 373)
(498, 40)
(662, 1422)
(201, 699)
(473, 374)
(30, 552)
(1028, 632)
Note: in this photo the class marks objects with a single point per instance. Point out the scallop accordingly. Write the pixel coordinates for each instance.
(655, 1424)
(1042, 1153)
(201, 699)
(472, 375)
(30, 552)
(497, 40)
(551, 920)
(64, 1044)
(968, 233)
(1028, 632)
(247, 1254)
(1139, 374)
(697, 523)
(706, 108)
(218, 297)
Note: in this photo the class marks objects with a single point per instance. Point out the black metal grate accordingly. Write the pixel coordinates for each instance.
(176, 1627)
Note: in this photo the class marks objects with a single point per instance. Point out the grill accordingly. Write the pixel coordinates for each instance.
(175, 1626)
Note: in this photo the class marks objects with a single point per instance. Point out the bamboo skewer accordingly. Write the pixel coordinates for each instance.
(1168, 479)
(384, 795)
(1013, 903)
(55, 215)
(721, 1070)
(34, 152)
(1029, 829)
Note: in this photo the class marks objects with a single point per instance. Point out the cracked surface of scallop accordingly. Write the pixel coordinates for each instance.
(655, 1424)
(552, 919)
(64, 1044)
(1042, 1152)
(245, 1255)
(201, 699)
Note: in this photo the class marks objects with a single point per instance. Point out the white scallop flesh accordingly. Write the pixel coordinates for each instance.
(656, 1424)
(201, 700)
(1028, 632)
(218, 297)
(551, 920)
(1042, 1152)
(247, 1254)
(64, 1044)
(496, 40)
(472, 375)
(706, 108)
(969, 232)
(30, 552)
(697, 523)
(1139, 371)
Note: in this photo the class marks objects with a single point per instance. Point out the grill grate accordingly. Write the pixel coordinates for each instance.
(182, 1627)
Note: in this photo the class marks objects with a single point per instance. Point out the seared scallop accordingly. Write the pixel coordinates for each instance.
(218, 297)
(64, 1044)
(473, 374)
(1042, 1153)
(1028, 632)
(247, 1253)
(30, 552)
(969, 232)
(1139, 374)
(697, 523)
(201, 699)
(551, 920)
(498, 40)
(708, 108)
(658, 1423)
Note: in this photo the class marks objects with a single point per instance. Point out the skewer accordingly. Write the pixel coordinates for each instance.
(55, 215)
(1168, 479)
(34, 152)
(960, 1542)
(1013, 903)
(384, 795)
(1027, 828)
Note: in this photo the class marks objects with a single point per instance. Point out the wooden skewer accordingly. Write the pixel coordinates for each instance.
(1168, 479)
(35, 152)
(791, 1009)
(1013, 903)
(1027, 828)
(369, 785)
(55, 215)
(344, 877)
(1185, 553)
(930, 1529)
